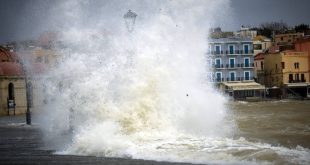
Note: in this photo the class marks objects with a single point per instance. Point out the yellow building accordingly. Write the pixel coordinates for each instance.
(261, 44)
(287, 70)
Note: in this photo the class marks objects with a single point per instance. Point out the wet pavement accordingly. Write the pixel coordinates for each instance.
(23, 144)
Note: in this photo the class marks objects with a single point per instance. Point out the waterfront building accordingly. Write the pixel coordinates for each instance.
(287, 70)
(232, 62)
(303, 44)
(232, 59)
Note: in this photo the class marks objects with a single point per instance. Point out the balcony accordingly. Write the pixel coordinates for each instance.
(249, 52)
(233, 79)
(219, 79)
(231, 66)
(219, 66)
(239, 79)
(247, 65)
(235, 52)
(217, 52)
(246, 78)
(297, 81)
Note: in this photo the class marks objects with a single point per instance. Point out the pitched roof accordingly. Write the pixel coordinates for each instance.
(259, 56)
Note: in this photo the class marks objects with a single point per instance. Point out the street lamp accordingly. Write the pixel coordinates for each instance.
(130, 18)
(28, 94)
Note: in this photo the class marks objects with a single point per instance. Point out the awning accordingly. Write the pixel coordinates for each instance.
(297, 84)
(243, 86)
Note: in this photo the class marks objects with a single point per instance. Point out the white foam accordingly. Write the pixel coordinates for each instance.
(142, 94)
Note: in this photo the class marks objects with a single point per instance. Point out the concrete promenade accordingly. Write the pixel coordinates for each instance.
(22, 144)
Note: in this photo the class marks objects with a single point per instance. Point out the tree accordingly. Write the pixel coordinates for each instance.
(302, 28)
(268, 28)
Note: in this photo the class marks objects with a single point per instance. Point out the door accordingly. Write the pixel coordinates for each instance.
(246, 62)
(232, 63)
(246, 49)
(231, 49)
(290, 78)
(218, 63)
(218, 77)
(232, 76)
(247, 75)
(217, 49)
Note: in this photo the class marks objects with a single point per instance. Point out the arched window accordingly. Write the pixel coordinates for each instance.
(11, 91)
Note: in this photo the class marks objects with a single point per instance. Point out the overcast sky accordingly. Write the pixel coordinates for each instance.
(24, 19)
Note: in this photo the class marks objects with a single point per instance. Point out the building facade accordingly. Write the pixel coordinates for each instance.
(246, 32)
(232, 59)
(303, 45)
(12, 84)
(289, 71)
(287, 38)
(259, 68)
(261, 44)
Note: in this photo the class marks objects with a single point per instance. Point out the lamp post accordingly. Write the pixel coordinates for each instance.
(28, 95)
(130, 18)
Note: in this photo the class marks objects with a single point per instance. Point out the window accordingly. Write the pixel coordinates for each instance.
(246, 49)
(231, 49)
(297, 77)
(290, 78)
(232, 76)
(217, 49)
(283, 65)
(246, 62)
(276, 66)
(262, 65)
(218, 63)
(296, 65)
(257, 46)
(246, 75)
(281, 38)
(231, 62)
(303, 78)
(11, 91)
(218, 76)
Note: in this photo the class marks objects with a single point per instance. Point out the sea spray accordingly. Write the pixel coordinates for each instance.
(140, 94)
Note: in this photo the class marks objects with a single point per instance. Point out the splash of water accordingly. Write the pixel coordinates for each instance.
(141, 94)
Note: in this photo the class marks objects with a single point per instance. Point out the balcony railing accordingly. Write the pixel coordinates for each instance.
(246, 78)
(247, 65)
(234, 79)
(219, 66)
(217, 52)
(239, 79)
(219, 79)
(233, 66)
(246, 52)
(296, 81)
(235, 52)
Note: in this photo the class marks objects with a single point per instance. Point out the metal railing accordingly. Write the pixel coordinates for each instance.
(235, 52)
